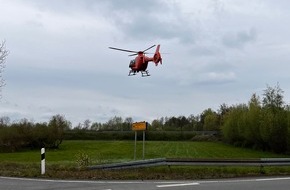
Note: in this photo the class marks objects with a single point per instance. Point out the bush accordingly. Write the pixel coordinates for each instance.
(83, 159)
(81, 134)
(27, 135)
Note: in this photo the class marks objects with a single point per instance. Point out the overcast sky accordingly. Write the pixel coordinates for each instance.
(217, 51)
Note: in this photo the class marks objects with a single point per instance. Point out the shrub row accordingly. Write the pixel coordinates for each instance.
(27, 135)
(129, 135)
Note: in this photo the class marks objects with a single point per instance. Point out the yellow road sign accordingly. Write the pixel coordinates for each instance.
(139, 126)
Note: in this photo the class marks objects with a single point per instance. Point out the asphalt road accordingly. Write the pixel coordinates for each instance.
(281, 183)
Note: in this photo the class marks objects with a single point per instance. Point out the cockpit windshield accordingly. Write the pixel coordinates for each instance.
(132, 63)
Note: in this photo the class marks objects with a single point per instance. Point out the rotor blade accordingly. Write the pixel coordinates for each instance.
(149, 48)
(133, 54)
(123, 50)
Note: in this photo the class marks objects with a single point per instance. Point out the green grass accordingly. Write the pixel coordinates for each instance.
(202, 150)
(116, 151)
(62, 163)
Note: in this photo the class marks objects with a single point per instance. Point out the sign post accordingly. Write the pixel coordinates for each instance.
(135, 145)
(143, 155)
(139, 126)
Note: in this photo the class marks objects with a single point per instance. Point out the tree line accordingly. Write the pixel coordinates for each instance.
(262, 123)
(28, 135)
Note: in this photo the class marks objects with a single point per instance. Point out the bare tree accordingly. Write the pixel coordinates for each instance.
(3, 55)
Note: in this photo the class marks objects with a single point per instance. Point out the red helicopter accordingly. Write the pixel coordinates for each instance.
(140, 63)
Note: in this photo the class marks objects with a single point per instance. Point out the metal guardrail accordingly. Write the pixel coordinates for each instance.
(195, 162)
(132, 164)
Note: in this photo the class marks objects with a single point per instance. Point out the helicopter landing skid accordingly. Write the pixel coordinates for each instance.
(131, 73)
(145, 73)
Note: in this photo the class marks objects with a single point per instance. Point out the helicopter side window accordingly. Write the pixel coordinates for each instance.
(132, 63)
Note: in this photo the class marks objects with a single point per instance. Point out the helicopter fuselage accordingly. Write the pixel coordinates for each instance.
(140, 63)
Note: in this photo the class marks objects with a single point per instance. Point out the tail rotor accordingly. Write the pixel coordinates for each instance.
(157, 56)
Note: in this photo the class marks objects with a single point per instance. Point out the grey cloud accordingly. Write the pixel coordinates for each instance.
(150, 20)
(66, 6)
(151, 29)
(206, 50)
(153, 20)
(239, 39)
(60, 62)
(136, 6)
(217, 78)
(217, 6)
(108, 8)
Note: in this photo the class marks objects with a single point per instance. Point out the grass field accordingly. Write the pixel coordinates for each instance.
(62, 163)
(116, 151)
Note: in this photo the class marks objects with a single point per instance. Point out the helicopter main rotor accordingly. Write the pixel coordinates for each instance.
(130, 51)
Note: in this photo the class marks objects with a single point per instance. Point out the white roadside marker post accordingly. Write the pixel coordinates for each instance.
(42, 161)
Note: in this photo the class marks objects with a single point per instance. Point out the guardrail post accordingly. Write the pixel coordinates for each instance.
(262, 171)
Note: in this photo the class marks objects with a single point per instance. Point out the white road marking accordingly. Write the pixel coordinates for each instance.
(160, 184)
(177, 185)
(89, 181)
(247, 180)
(223, 181)
(274, 179)
(72, 181)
